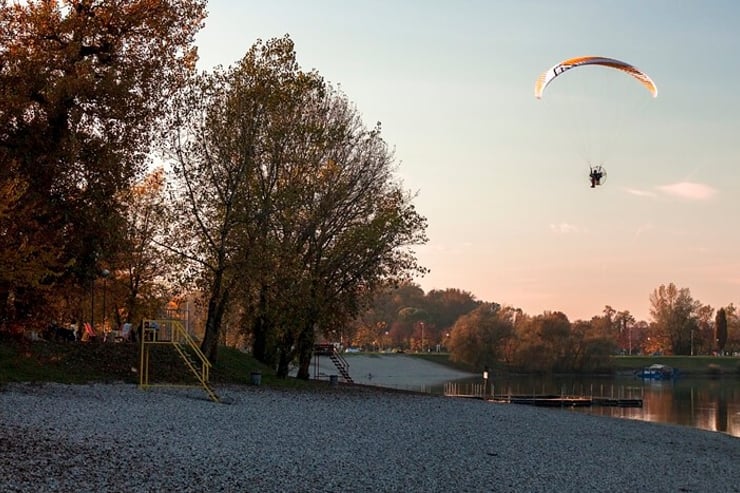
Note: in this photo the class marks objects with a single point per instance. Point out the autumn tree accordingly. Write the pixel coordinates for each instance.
(543, 342)
(674, 318)
(387, 314)
(138, 280)
(378, 317)
(336, 223)
(391, 306)
(479, 338)
(554, 331)
(733, 329)
(702, 340)
(211, 139)
(341, 226)
(444, 308)
(720, 324)
(627, 338)
(360, 223)
(415, 322)
(405, 300)
(295, 215)
(22, 254)
(639, 334)
(82, 84)
(589, 347)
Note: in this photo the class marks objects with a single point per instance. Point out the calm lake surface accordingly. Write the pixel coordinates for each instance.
(705, 403)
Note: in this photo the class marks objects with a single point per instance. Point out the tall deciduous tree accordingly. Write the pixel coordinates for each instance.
(82, 83)
(342, 225)
(554, 331)
(702, 341)
(446, 306)
(290, 201)
(720, 324)
(589, 346)
(675, 318)
(212, 138)
(480, 337)
(627, 334)
(733, 329)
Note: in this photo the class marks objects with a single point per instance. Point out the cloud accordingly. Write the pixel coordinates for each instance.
(564, 228)
(688, 190)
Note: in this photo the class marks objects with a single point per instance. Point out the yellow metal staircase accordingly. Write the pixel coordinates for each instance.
(171, 332)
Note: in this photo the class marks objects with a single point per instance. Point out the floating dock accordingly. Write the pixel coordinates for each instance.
(483, 392)
(566, 401)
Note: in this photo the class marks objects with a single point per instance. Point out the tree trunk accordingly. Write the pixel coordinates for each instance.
(263, 346)
(216, 304)
(305, 350)
(286, 356)
(209, 346)
(259, 341)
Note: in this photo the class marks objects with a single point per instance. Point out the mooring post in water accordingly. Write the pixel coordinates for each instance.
(485, 381)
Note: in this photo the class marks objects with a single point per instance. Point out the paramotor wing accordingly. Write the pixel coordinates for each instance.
(548, 76)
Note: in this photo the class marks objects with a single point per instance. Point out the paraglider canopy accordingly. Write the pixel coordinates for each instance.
(549, 75)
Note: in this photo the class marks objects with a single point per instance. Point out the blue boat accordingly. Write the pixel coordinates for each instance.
(657, 372)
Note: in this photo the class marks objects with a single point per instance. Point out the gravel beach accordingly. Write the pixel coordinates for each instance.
(117, 438)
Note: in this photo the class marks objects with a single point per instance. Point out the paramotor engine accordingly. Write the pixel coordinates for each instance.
(596, 175)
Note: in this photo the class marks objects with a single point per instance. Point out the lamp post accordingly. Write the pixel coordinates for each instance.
(92, 305)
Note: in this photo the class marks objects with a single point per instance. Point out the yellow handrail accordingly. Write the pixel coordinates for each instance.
(180, 331)
(171, 331)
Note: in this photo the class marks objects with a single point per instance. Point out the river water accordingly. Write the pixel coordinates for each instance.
(705, 403)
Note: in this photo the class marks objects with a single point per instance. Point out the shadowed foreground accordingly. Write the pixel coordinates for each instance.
(346, 438)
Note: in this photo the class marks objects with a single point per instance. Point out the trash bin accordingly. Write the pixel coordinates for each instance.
(333, 380)
(256, 378)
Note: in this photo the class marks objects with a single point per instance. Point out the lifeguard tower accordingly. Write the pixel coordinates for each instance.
(330, 350)
(170, 332)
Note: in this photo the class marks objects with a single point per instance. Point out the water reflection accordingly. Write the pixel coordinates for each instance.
(709, 404)
(705, 403)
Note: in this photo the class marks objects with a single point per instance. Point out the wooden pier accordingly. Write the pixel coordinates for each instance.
(566, 401)
(544, 400)
(609, 402)
(480, 391)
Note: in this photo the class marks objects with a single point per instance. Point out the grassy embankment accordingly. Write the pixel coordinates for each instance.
(26, 361)
(687, 365)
